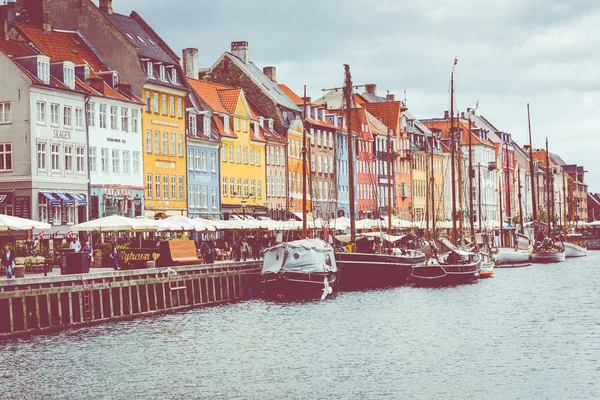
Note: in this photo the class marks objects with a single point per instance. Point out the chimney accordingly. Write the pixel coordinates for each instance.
(106, 6)
(390, 97)
(446, 114)
(271, 73)
(46, 21)
(125, 89)
(97, 84)
(240, 50)
(371, 88)
(190, 62)
(7, 17)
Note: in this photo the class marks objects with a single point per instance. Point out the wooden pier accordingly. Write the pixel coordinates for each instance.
(30, 305)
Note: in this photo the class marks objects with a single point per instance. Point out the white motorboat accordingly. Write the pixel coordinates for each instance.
(520, 253)
(575, 246)
(548, 257)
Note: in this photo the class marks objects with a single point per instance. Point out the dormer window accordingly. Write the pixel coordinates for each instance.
(206, 121)
(115, 79)
(149, 69)
(192, 124)
(173, 75)
(226, 124)
(162, 73)
(43, 69)
(271, 124)
(69, 76)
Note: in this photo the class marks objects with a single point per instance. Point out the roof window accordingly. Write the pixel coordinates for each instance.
(141, 40)
(151, 41)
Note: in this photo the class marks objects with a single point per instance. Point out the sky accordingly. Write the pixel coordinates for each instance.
(510, 53)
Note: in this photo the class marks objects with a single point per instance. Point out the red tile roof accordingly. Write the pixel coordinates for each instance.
(63, 46)
(208, 92)
(229, 98)
(444, 126)
(15, 48)
(290, 93)
(388, 111)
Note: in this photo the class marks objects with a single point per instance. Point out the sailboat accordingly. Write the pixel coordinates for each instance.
(457, 265)
(303, 268)
(550, 250)
(366, 269)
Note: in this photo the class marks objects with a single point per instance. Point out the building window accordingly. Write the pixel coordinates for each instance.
(206, 129)
(237, 124)
(251, 156)
(172, 106)
(174, 187)
(156, 142)
(67, 116)
(180, 145)
(165, 143)
(181, 187)
(156, 103)
(102, 118)
(136, 163)
(148, 141)
(157, 185)
(190, 159)
(41, 156)
(162, 72)
(43, 209)
(5, 156)
(258, 158)
(198, 162)
(150, 69)
(213, 162)
(69, 77)
(231, 149)
(224, 153)
(113, 117)
(205, 197)
(134, 121)
(93, 161)
(126, 162)
(245, 155)
(224, 189)
(179, 105)
(44, 71)
(55, 157)
(79, 118)
(214, 198)
(232, 186)
(174, 75)
(239, 187)
(91, 113)
(204, 160)
(166, 186)
(259, 188)
(125, 119)
(199, 197)
(80, 159)
(148, 102)
(149, 185)
(253, 188)
(164, 104)
(245, 125)
(191, 196)
(192, 124)
(238, 151)
(116, 161)
(246, 188)
(69, 158)
(41, 112)
(104, 160)
(172, 144)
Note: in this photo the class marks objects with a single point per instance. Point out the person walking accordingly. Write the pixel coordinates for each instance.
(245, 249)
(8, 261)
(88, 250)
(115, 256)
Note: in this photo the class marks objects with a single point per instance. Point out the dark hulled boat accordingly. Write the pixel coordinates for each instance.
(300, 269)
(453, 268)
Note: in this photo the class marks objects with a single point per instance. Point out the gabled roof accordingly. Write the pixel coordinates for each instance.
(375, 124)
(229, 98)
(64, 46)
(557, 159)
(388, 111)
(15, 48)
(290, 94)
(145, 40)
(371, 98)
(264, 83)
(209, 92)
(443, 125)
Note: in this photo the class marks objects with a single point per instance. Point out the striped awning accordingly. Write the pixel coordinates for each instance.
(66, 199)
(80, 199)
(51, 198)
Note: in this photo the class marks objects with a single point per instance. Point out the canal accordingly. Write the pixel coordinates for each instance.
(528, 333)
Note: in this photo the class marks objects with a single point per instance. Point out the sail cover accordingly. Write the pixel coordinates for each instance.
(306, 255)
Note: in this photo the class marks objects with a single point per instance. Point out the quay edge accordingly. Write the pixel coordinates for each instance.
(35, 305)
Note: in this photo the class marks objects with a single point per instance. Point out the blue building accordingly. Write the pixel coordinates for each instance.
(341, 160)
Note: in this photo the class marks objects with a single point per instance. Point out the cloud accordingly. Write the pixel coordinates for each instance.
(510, 52)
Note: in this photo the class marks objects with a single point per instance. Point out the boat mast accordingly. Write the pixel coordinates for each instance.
(304, 150)
(501, 216)
(389, 179)
(520, 205)
(479, 195)
(548, 208)
(460, 177)
(427, 187)
(432, 192)
(531, 170)
(453, 158)
(507, 183)
(471, 176)
(348, 101)
(564, 202)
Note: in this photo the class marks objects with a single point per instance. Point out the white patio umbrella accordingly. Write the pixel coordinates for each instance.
(595, 223)
(10, 223)
(185, 223)
(117, 223)
(341, 223)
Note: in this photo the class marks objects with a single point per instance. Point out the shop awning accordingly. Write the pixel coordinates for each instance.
(80, 200)
(51, 198)
(6, 198)
(66, 199)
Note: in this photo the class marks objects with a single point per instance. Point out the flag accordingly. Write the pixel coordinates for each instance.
(55, 235)
(455, 60)
(41, 235)
(70, 235)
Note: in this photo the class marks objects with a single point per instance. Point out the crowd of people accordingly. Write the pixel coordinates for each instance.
(242, 248)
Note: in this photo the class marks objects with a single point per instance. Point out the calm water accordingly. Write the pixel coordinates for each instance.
(527, 333)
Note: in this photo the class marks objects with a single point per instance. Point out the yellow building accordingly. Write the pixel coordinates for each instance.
(243, 166)
(163, 124)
